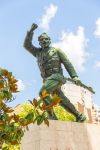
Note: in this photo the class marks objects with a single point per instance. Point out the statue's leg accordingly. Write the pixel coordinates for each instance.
(49, 86)
(65, 102)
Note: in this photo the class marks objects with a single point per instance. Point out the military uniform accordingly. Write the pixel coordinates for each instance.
(49, 62)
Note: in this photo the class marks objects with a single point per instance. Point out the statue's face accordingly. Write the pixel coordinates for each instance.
(44, 41)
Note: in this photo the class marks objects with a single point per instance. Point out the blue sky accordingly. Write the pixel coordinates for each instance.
(74, 26)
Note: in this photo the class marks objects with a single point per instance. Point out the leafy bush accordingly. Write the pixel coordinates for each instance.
(10, 147)
(63, 115)
(60, 112)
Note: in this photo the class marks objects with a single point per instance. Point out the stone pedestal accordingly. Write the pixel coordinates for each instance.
(61, 135)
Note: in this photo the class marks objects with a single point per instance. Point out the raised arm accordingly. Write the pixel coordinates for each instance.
(28, 41)
(67, 64)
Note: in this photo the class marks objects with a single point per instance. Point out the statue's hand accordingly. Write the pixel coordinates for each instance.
(77, 81)
(33, 27)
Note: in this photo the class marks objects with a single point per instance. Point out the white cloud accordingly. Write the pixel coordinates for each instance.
(46, 18)
(97, 31)
(74, 47)
(97, 64)
(20, 85)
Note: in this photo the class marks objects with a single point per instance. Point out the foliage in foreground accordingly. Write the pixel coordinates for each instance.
(10, 147)
(13, 126)
(60, 112)
(27, 107)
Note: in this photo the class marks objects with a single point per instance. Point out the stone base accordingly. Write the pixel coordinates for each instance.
(61, 135)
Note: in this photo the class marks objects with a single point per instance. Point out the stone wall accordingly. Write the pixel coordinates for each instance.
(62, 135)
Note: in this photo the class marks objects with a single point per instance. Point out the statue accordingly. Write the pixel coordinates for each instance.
(49, 61)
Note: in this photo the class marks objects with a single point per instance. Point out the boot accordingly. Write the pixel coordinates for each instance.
(80, 117)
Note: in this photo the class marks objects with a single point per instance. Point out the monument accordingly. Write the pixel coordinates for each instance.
(49, 61)
(59, 135)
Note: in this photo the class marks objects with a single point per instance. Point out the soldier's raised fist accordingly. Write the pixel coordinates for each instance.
(33, 27)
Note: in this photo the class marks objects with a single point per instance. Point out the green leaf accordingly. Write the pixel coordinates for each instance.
(46, 122)
(5, 148)
(30, 116)
(0, 72)
(40, 120)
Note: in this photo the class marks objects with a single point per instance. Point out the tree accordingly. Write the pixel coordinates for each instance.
(13, 126)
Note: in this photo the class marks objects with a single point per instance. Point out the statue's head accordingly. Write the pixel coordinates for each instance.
(44, 40)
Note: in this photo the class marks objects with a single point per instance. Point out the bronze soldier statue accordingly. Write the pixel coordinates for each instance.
(49, 61)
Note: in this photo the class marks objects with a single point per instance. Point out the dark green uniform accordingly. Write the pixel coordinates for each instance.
(49, 62)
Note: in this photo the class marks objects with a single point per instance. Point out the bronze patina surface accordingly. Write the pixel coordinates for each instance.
(49, 61)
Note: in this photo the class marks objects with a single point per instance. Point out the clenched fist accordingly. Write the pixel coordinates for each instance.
(33, 27)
